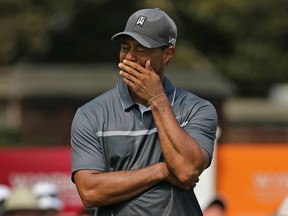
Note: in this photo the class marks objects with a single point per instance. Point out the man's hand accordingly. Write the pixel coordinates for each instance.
(172, 179)
(144, 82)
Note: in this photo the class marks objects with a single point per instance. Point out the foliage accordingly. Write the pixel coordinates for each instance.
(260, 49)
(244, 40)
(9, 137)
(25, 27)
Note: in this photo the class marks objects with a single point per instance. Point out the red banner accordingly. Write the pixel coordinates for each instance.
(27, 166)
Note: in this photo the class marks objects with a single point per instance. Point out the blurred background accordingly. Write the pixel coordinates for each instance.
(57, 55)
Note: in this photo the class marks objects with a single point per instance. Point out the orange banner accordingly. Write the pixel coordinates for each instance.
(252, 178)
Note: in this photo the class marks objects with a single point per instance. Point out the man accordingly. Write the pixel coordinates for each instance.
(217, 207)
(21, 202)
(139, 148)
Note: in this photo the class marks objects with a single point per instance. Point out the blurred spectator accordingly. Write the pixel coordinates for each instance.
(283, 209)
(47, 197)
(5, 192)
(21, 202)
(215, 208)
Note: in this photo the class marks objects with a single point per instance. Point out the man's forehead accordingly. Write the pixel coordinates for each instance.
(129, 39)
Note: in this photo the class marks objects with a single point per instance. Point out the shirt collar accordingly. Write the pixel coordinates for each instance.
(127, 101)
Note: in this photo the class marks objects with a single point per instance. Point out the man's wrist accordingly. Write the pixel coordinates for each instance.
(156, 97)
(163, 171)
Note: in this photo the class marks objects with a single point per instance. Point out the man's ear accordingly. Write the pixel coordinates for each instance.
(168, 54)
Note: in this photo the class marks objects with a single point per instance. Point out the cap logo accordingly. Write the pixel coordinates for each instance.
(140, 21)
(172, 40)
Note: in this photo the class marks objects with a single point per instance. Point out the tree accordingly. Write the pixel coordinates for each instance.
(244, 40)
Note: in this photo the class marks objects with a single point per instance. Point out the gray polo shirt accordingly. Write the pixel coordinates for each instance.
(111, 133)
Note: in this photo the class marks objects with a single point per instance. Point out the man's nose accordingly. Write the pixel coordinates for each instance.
(131, 56)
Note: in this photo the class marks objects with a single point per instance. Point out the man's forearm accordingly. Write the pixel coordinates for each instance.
(184, 157)
(102, 189)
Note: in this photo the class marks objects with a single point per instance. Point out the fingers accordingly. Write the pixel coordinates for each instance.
(131, 67)
(193, 183)
(148, 65)
(141, 79)
(128, 73)
(132, 72)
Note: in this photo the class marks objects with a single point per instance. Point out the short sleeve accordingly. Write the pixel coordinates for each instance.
(86, 152)
(201, 124)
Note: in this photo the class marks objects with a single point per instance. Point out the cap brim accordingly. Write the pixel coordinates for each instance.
(142, 39)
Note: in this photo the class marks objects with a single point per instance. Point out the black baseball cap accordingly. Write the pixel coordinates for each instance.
(150, 27)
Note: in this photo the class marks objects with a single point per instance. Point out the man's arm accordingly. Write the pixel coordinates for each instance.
(98, 189)
(185, 158)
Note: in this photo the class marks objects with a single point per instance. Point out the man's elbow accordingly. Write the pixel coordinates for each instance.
(91, 195)
(187, 174)
(91, 200)
(191, 170)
